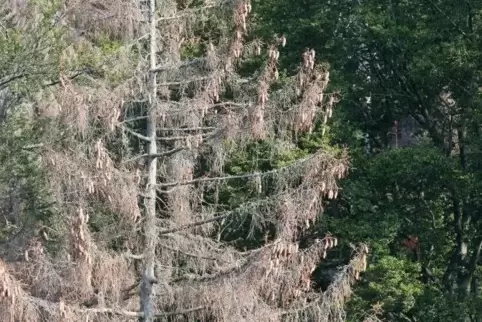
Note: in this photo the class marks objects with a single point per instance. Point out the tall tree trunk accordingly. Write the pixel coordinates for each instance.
(150, 228)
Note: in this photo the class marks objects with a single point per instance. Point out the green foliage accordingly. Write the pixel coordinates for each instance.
(433, 306)
(391, 284)
(402, 55)
(38, 42)
(398, 193)
(23, 179)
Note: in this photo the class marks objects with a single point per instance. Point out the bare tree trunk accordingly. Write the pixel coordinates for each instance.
(150, 228)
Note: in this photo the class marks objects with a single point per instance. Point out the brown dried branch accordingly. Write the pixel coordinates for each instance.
(241, 176)
(178, 138)
(201, 62)
(192, 268)
(195, 224)
(190, 12)
(156, 155)
(189, 254)
(139, 314)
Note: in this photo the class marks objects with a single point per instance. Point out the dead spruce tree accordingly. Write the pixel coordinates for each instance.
(189, 117)
(139, 158)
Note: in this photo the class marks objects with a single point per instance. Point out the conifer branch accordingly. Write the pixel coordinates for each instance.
(226, 178)
(195, 224)
(139, 314)
(156, 155)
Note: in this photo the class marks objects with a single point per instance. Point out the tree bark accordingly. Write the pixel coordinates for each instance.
(150, 229)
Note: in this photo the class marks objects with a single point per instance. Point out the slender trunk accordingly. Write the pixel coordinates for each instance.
(466, 282)
(460, 250)
(461, 139)
(150, 228)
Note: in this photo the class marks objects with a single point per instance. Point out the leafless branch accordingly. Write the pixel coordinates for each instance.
(195, 224)
(199, 128)
(140, 136)
(177, 138)
(189, 254)
(156, 155)
(199, 62)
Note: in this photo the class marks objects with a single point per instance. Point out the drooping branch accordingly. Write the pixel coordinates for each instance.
(183, 110)
(25, 304)
(127, 293)
(139, 314)
(240, 176)
(156, 155)
(188, 12)
(195, 224)
(332, 300)
(198, 62)
(211, 179)
(137, 135)
(189, 254)
(178, 138)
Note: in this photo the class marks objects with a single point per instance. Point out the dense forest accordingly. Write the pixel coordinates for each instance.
(240, 160)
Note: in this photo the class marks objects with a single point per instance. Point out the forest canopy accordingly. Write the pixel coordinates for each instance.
(237, 160)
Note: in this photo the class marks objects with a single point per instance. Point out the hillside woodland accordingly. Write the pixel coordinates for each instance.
(240, 160)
